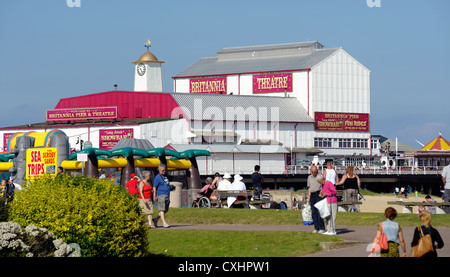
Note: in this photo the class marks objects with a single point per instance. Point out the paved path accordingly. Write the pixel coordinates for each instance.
(362, 234)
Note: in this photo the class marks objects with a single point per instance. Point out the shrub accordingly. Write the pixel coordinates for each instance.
(100, 217)
(3, 210)
(30, 242)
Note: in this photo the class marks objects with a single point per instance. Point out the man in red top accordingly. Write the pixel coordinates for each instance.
(132, 184)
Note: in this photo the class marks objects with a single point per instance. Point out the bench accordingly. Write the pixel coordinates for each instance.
(343, 206)
(408, 206)
(222, 196)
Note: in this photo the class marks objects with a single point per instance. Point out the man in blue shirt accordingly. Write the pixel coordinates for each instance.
(257, 180)
(161, 195)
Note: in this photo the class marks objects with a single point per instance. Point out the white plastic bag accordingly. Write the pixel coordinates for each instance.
(322, 206)
(306, 214)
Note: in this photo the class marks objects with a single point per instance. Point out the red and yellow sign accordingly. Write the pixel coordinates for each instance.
(211, 85)
(78, 114)
(109, 138)
(348, 122)
(41, 161)
(272, 83)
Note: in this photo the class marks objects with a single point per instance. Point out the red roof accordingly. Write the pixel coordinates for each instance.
(130, 104)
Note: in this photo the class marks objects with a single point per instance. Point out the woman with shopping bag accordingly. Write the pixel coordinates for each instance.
(328, 192)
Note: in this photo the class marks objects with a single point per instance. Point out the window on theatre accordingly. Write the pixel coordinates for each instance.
(323, 142)
(360, 143)
(345, 143)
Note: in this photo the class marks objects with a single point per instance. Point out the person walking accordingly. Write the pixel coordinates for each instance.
(351, 187)
(257, 180)
(314, 188)
(426, 229)
(9, 191)
(394, 234)
(446, 182)
(145, 197)
(329, 191)
(132, 184)
(161, 194)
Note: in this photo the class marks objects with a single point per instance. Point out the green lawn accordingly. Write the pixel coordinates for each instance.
(205, 243)
(287, 217)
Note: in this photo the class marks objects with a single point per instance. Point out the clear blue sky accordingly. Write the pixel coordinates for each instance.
(49, 51)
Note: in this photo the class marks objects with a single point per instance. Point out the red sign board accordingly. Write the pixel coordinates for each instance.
(109, 138)
(79, 114)
(348, 122)
(6, 137)
(210, 85)
(272, 83)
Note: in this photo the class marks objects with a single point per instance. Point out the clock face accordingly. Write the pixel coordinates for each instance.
(140, 69)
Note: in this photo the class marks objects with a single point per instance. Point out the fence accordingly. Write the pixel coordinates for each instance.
(373, 170)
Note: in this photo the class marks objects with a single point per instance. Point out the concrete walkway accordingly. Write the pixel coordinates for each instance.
(363, 235)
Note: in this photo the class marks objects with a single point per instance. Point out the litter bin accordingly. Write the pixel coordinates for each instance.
(175, 195)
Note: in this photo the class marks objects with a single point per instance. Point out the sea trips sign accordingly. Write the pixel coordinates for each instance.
(40, 161)
(210, 85)
(348, 122)
(272, 83)
(79, 114)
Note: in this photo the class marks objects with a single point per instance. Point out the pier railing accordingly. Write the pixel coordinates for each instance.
(372, 170)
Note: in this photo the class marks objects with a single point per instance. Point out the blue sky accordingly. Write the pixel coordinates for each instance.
(50, 51)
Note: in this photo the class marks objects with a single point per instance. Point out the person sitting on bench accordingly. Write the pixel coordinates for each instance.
(237, 185)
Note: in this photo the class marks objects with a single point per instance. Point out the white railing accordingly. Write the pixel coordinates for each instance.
(293, 170)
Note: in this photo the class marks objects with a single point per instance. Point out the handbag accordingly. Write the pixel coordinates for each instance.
(424, 245)
(382, 242)
(322, 206)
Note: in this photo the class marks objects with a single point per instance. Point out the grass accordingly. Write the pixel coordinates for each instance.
(287, 217)
(206, 243)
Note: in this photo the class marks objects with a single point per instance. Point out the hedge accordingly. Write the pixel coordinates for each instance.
(97, 215)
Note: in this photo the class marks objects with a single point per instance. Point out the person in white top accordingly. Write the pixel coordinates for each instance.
(446, 182)
(225, 183)
(237, 185)
(330, 174)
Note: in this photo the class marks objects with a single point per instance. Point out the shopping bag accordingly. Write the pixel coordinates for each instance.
(306, 214)
(383, 242)
(322, 206)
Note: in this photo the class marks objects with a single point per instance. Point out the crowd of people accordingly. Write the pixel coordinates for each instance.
(324, 185)
(395, 239)
(7, 188)
(224, 183)
(158, 192)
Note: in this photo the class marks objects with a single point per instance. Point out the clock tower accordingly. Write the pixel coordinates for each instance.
(147, 73)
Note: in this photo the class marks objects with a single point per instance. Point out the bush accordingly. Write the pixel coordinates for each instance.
(30, 242)
(100, 217)
(3, 210)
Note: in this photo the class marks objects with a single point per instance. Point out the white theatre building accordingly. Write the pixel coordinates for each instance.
(278, 106)
(331, 86)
